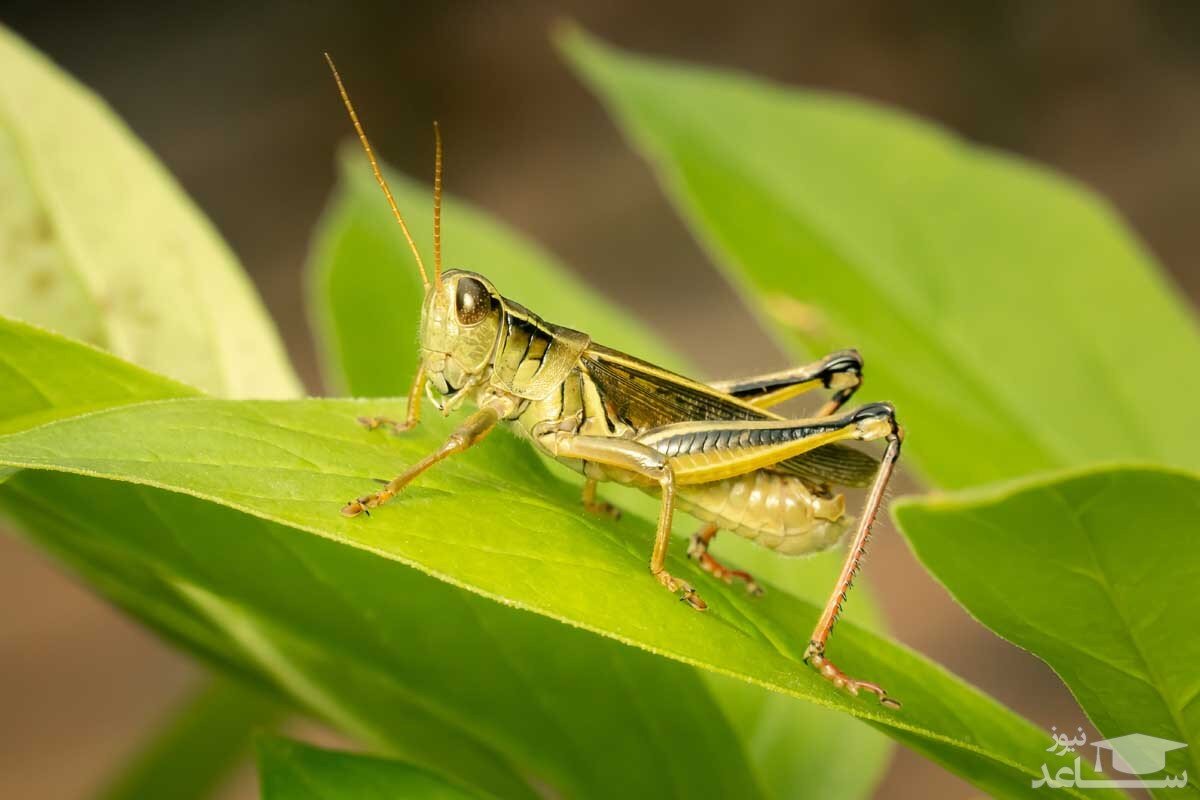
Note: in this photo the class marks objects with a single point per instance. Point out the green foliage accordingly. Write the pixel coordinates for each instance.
(520, 540)
(92, 380)
(1091, 571)
(981, 289)
(986, 294)
(1012, 320)
(380, 650)
(100, 243)
(198, 746)
(293, 771)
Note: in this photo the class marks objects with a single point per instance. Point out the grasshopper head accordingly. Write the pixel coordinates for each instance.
(462, 311)
(460, 323)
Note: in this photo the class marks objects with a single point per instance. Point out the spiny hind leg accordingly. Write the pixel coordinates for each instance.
(737, 447)
(814, 654)
(594, 505)
(840, 372)
(698, 551)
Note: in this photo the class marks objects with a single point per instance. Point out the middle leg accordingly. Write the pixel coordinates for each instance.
(698, 551)
(641, 460)
(594, 505)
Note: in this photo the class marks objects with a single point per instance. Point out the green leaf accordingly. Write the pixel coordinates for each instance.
(368, 339)
(300, 614)
(293, 771)
(47, 377)
(1093, 572)
(982, 290)
(410, 666)
(100, 243)
(519, 540)
(200, 746)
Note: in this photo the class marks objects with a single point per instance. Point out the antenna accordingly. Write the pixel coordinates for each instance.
(437, 204)
(362, 137)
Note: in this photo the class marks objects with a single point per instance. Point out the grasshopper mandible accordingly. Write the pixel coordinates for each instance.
(714, 450)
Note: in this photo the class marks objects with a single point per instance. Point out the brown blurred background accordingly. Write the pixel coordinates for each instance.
(237, 102)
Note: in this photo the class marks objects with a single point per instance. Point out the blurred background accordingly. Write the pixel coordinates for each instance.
(237, 102)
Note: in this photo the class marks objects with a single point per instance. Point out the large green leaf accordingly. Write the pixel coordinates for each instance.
(410, 666)
(1008, 314)
(295, 633)
(369, 343)
(301, 614)
(47, 377)
(293, 771)
(519, 540)
(1094, 572)
(100, 243)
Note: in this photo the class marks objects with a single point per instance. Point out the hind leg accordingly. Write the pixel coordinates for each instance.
(698, 551)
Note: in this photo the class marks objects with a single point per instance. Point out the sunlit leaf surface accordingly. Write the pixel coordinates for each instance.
(99, 242)
(379, 649)
(1091, 571)
(520, 540)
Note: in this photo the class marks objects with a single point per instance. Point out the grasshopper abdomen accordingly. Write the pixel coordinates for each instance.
(779, 512)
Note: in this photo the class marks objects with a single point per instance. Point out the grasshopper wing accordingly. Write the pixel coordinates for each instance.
(645, 396)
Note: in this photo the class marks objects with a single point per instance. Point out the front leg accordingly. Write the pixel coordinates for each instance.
(414, 408)
(474, 428)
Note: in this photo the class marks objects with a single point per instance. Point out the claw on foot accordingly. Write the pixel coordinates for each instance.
(814, 656)
(688, 595)
(603, 509)
(363, 505)
(698, 551)
(373, 423)
(356, 507)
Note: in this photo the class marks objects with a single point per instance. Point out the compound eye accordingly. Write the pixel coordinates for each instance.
(472, 301)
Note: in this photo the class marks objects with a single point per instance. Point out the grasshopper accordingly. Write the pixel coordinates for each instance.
(714, 450)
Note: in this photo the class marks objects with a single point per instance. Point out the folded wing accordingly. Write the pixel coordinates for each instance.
(646, 397)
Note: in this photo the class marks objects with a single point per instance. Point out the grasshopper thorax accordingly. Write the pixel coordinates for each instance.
(460, 324)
